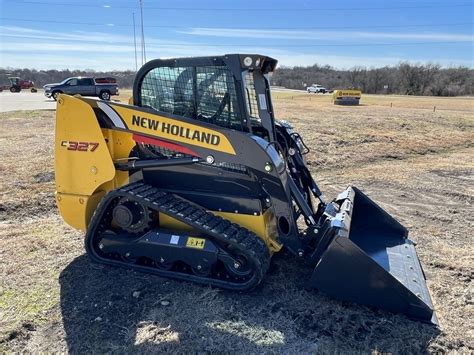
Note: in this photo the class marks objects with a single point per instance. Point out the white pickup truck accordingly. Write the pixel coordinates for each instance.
(316, 89)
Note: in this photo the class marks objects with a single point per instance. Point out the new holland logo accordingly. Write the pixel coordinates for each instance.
(176, 130)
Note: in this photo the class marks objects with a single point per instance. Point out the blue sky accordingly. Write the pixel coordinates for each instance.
(98, 34)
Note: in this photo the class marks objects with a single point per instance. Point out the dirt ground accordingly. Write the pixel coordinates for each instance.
(417, 162)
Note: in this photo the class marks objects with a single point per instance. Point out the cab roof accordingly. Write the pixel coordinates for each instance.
(235, 62)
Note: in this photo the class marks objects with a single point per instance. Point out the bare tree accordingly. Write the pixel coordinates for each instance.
(355, 76)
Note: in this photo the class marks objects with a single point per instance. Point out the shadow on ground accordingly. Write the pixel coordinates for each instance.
(111, 309)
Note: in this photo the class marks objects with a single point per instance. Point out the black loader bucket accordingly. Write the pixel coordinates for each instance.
(364, 256)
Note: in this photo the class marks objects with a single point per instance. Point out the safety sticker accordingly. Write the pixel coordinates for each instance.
(263, 101)
(174, 239)
(197, 243)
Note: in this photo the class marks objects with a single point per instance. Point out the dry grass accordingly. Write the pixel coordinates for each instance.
(417, 163)
(431, 103)
(124, 95)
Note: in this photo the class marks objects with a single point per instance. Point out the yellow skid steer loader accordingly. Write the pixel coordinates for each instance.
(196, 180)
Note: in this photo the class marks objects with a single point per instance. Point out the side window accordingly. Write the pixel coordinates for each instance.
(203, 93)
(86, 82)
(217, 97)
(251, 95)
(169, 90)
(72, 82)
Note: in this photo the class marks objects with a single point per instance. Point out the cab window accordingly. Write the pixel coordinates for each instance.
(251, 95)
(217, 97)
(203, 93)
(86, 82)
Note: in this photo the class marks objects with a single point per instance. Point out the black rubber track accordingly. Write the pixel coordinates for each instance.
(229, 236)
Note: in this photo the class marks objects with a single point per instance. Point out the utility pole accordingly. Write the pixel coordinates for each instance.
(143, 35)
(135, 42)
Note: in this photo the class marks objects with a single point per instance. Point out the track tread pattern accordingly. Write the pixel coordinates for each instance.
(228, 235)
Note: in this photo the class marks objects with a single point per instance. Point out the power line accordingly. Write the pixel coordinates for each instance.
(266, 45)
(308, 45)
(167, 8)
(243, 27)
(311, 9)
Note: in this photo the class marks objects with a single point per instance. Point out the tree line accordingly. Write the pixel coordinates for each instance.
(404, 79)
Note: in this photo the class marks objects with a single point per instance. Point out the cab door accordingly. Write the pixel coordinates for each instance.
(71, 87)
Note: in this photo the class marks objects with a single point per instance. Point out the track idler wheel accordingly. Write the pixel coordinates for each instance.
(239, 267)
(128, 259)
(162, 264)
(201, 270)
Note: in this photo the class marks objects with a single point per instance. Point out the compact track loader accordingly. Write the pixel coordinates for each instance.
(196, 180)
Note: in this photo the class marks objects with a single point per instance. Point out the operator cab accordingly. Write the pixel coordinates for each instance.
(230, 91)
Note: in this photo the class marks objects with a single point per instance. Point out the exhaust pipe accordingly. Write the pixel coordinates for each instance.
(364, 256)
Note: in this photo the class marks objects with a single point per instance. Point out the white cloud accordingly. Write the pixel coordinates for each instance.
(81, 36)
(66, 47)
(348, 61)
(43, 49)
(323, 35)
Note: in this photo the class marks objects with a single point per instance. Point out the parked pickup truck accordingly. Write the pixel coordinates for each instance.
(316, 89)
(101, 87)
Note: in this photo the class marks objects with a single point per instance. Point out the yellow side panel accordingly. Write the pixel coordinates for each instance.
(82, 161)
(263, 225)
(120, 145)
(174, 130)
(77, 210)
